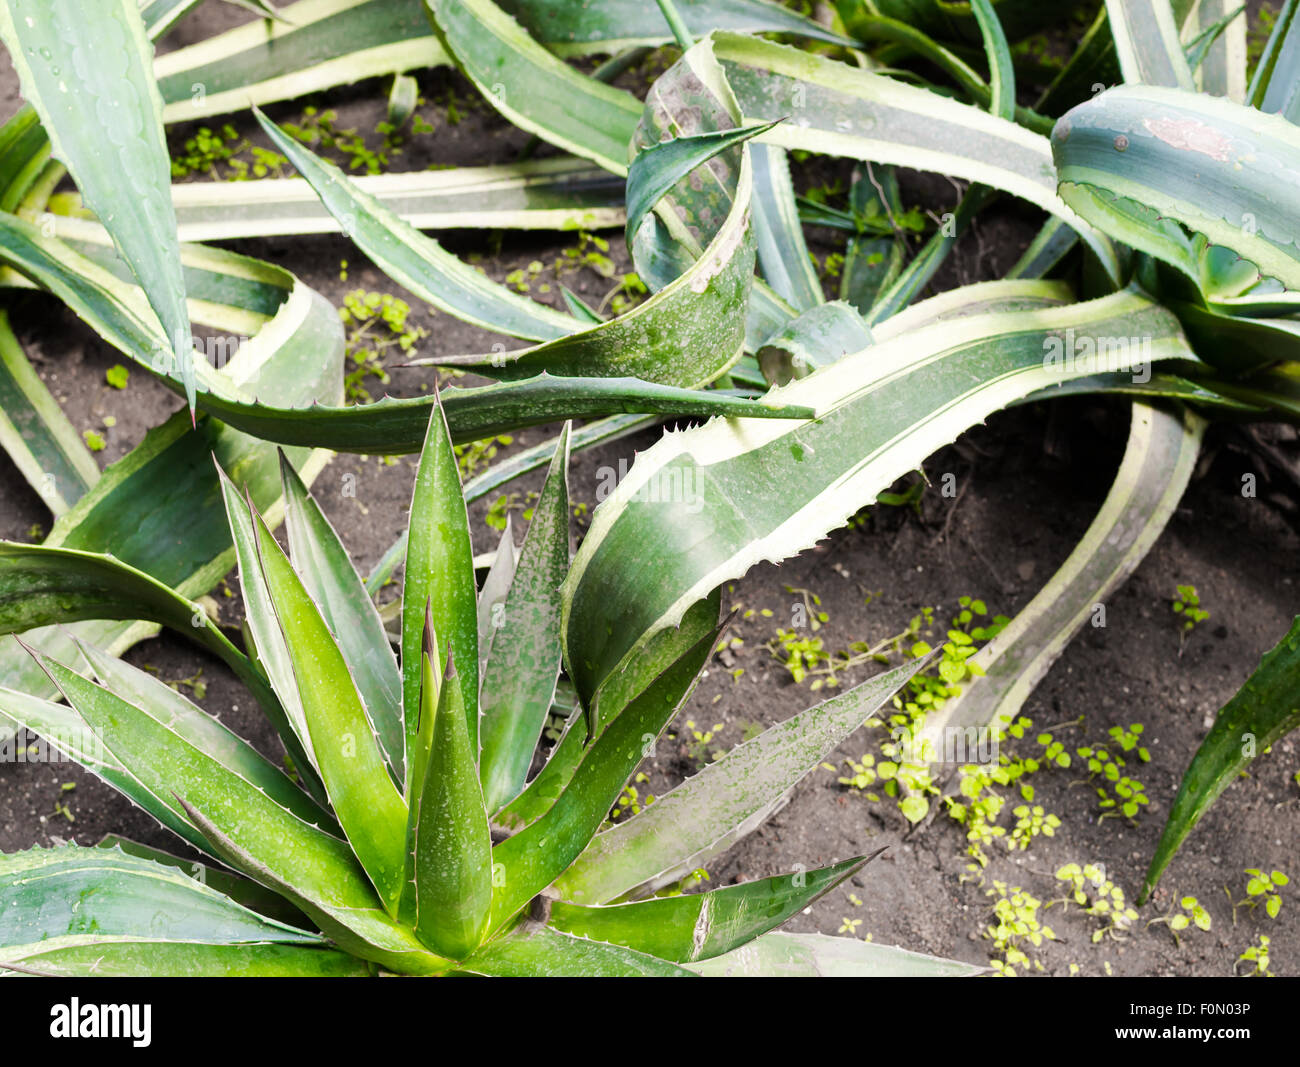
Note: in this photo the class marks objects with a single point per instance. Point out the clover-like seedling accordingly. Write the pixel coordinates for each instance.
(1187, 606)
(1257, 955)
(1189, 912)
(1128, 739)
(1263, 889)
(1030, 822)
(1016, 925)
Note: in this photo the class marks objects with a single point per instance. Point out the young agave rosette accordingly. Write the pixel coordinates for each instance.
(413, 840)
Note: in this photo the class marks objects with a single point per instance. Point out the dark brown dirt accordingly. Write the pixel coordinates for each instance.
(1030, 482)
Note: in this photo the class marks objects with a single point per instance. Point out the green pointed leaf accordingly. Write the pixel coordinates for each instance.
(727, 799)
(780, 955)
(67, 54)
(268, 640)
(394, 427)
(656, 168)
(549, 194)
(351, 763)
(619, 690)
(242, 825)
(843, 110)
(506, 470)
(1138, 160)
(36, 434)
(453, 849)
(1158, 463)
(350, 915)
(532, 859)
(545, 788)
(532, 950)
(1262, 712)
(42, 586)
(75, 897)
(1147, 43)
(333, 583)
(153, 959)
(524, 662)
(79, 732)
(531, 88)
(196, 727)
(416, 776)
(416, 262)
(697, 926)
(440, 575)
(769, 490)
(64, 732)
(235, 886)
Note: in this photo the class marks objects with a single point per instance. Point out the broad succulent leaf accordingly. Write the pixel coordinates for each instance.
(66, 55)
(69, 902)
(533, 950)
(343, 741)
(783, 955)
(453, 848)
(332, 581)
(524, 663)
(697, 926)
(532, 859)
(439, 582)
(1144, 161)
(1263, 711)
(36, 434)
(767, 495)
(683, 828)
(1158, 463)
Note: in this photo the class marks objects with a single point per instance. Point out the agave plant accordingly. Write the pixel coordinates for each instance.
(1167, 187)
(408, 836)
(114, 253)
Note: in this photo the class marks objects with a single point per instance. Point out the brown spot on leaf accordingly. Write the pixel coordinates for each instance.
(1191, 135)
